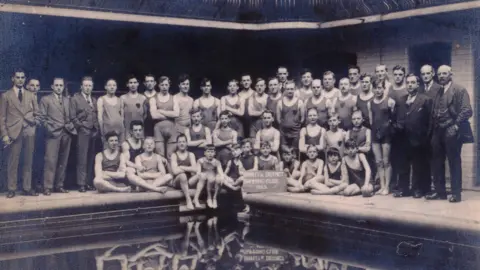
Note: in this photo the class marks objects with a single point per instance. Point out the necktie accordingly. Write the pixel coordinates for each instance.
(20, 95)
(88, 101)
(60, 100)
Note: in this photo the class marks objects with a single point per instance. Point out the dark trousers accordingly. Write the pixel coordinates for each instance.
(418, 163)
(57, 151)
(398, 160)
(85, 158)
(24, 143)
(449, 147)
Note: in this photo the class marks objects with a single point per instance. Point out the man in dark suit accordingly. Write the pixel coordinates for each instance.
(450, 130)
(18, 109)
(429, 87)
(83, 114)
(416, 122)
(55, 115)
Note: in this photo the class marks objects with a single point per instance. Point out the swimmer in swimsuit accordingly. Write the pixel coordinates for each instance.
(358, 170)
(209, 170)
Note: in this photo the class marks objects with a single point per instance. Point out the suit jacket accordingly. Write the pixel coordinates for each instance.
(417, 118)
(460, 109)
(433, 90)
(15, 116)
(82, 115)
(55, 116)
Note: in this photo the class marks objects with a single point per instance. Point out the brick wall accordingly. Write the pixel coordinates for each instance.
(393, 50)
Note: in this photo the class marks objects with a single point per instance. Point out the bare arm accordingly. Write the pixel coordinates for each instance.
(302, 172)
(256, 145)
(174, 163)
(217, 141)
(100, 114)
(219, 169)
(276, 141)
(279, 111)
(126, 154)
(252, 111)
(255, 164)
(278, 166)
(301, 107)
(240, 111)
(368, 142)
(191, 143)
(208, 135)
(301, 142)
(320, 168)
(98, 166)
(192, 168)
(154, 112)
(227, 168)
(366, 166)
(120, 173)
(199, 166)
(173, 113)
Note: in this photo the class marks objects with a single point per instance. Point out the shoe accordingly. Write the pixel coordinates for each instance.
(90, 188)
(436, 196)
(455, 199)
(10, 194)
(82, 189)
(61, 190)
(401, 194)
(47, 192)
(31, 193)
(417, 194)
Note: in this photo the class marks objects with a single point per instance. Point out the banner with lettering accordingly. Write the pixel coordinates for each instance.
(264, 181)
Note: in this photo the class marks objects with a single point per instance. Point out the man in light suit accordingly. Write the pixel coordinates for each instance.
(416, 122)
(55, 115)
(450, 129)
(429, 86)
(83, 114)
(18, 109)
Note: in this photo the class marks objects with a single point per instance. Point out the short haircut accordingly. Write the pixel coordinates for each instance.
(236, 146)
(267, 111)
(247, 141)
(290, 82)
(413, 75)
(131, 77)
(227, 113)
(245, 75)
(350, 144)
(87, 78)
(149, 138)
(310, 146)
(311, 108)
(259, 80)
(136, 123)
(334, 115)
(181, 136)
(357, 111)
(164, 78)
(287, 149)
(366, 75)
(36, 79)
(332, 151)
(233, 81)
(110, 79)
(381, 65)
(282, 67)
(328, 72)
(305, 71)
(272, 78)
(354, 67)
(110, 134)
(149, 75)
(195, 110)
(18, 70)
(345, 79)
(210, 147)
(54, 79)
(265, 144)
(379, 83)
(398, 67)
(183, 78)
(204, 81)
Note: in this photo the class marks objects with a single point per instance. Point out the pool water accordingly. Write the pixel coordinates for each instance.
(222, 242)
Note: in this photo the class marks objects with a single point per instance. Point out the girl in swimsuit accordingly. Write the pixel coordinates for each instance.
(359, 174)
(335, 175)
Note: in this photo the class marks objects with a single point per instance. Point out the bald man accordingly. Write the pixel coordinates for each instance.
(450, 129)
(429, 86)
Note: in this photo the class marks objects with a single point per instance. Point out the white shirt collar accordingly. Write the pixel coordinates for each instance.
(428, 86)
(447, 86)
(86, 97)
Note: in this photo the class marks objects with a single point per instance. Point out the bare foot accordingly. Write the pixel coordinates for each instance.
(380, 191)
(214, 204)
(190, 206)
(126, 189)
(196, 203)
(209, 203)
(385, 192)
(162, 189)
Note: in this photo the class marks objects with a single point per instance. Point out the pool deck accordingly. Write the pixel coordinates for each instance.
(433, 214)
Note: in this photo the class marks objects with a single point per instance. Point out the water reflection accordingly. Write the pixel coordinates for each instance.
(215, 243)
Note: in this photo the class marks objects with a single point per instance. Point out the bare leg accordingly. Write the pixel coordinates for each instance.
(378, 153)
(218, 184)
(210, 184)
(329, 190)
(200, 184)
(387, 167)
(295, 175)
(103, 185)
(160, 148)
(138, 181)
(183, 181)
(352, 190)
